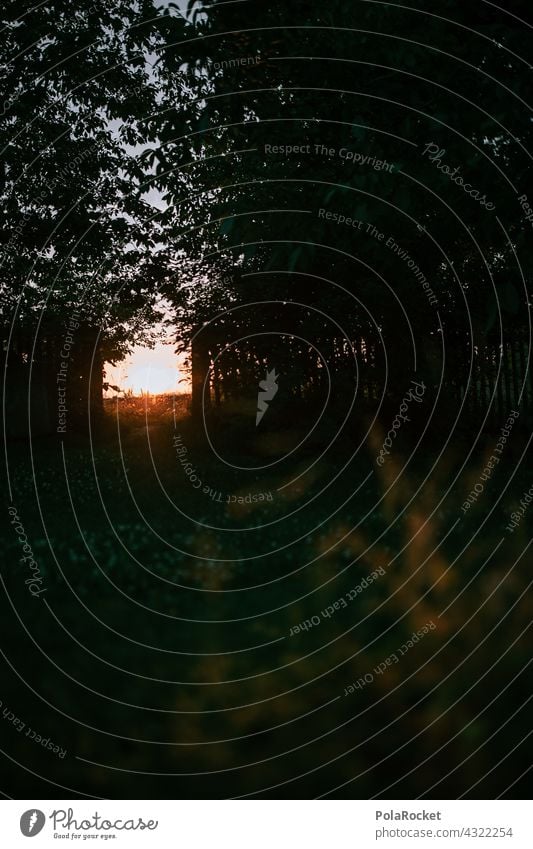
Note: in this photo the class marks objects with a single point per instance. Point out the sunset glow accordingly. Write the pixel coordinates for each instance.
(155, 370)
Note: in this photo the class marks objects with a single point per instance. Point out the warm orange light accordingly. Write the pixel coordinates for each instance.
(150, 370)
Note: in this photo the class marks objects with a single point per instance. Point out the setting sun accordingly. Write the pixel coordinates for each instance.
(155, 371)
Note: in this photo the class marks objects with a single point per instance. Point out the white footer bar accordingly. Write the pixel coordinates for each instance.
(267, 824)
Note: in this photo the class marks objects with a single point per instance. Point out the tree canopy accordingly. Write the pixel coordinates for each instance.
(277, 125)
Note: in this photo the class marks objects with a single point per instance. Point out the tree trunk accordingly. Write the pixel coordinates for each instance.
(200, 361)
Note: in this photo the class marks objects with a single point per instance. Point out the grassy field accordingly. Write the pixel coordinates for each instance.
(166, 653)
